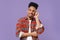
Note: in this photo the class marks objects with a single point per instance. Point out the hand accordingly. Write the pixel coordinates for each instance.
(34, 34)
(36, 15)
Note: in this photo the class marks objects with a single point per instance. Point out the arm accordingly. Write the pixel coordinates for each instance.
(33, 34)
(39, 29)
(21, 35)
(39, 26)
(19, 32)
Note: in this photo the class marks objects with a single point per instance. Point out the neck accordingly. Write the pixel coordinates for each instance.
(30, 18)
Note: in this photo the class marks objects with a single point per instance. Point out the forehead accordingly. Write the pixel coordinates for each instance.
(32, 8)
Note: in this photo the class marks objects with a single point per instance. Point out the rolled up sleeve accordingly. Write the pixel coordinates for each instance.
(40, 29)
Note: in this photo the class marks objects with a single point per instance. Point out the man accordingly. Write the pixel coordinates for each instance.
(29, 27)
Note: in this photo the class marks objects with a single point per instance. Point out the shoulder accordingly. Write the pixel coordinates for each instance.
(21, 19)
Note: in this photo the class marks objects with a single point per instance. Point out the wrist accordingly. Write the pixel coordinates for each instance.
(37, 19)
(30, 34)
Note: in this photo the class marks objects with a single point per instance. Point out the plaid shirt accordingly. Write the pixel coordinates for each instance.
(23, 25)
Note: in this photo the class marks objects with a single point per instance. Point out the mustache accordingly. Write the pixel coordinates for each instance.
(32, 14)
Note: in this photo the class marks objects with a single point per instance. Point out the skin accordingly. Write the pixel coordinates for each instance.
(32, 12)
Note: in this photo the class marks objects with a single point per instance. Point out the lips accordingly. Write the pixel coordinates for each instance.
(30, 14)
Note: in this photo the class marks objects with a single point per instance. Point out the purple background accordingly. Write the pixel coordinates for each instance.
(12, 10)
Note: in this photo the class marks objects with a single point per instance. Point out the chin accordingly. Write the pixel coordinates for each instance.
(30, 16)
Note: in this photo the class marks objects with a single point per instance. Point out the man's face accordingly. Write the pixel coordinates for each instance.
(31, 11)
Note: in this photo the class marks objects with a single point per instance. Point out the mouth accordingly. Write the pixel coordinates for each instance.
(30, 15)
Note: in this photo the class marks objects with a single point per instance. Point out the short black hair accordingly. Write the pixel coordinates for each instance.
(33, 4)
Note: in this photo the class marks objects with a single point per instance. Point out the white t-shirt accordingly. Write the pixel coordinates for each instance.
(29, 37)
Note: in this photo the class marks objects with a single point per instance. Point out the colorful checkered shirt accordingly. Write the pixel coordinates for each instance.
(23, 25)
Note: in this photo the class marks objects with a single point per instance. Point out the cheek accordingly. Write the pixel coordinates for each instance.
(29, 11)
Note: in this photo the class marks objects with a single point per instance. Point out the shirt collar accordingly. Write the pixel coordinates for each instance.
(26, 18)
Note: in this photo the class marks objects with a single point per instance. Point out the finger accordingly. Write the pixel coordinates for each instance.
(36, 13)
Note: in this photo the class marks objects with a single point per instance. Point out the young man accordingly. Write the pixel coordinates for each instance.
(30, 26)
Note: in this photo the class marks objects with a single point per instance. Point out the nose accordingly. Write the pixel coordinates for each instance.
(31, 12)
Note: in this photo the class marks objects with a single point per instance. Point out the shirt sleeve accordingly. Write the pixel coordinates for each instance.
(41, 25)
(40, 29)
(20, 34)
(18, 29)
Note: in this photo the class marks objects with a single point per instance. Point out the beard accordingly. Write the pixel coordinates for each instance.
(31, 17)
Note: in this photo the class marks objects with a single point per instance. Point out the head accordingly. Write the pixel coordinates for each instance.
(32, 8)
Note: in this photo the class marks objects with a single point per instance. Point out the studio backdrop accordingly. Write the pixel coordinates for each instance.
(12, 10)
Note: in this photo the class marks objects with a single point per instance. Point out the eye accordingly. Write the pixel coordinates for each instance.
(34, 11)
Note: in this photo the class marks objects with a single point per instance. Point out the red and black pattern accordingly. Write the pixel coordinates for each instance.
(23, 24)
